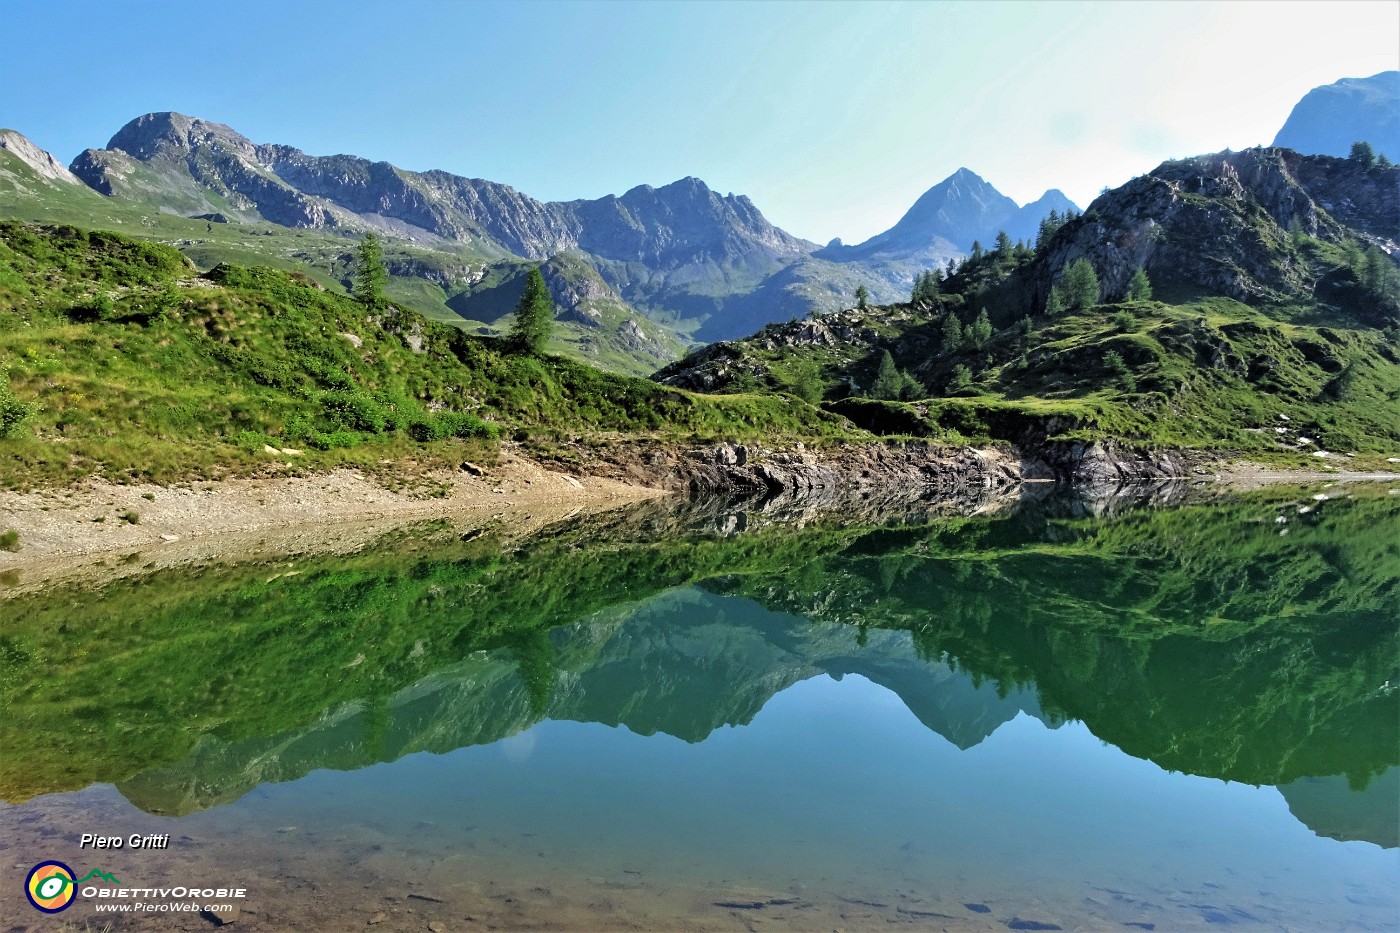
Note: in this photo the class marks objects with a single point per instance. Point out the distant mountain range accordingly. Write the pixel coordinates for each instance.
(637, 276)
(951, 216)
(1330, 118)
(693, 261)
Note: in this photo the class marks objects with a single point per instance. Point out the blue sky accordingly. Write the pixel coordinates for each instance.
(832, 117)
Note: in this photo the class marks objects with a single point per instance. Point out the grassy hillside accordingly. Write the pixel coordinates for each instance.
(1276, 380)
(428, 277)
(133, 365)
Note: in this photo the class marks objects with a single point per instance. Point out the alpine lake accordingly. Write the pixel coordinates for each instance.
(1171, 708)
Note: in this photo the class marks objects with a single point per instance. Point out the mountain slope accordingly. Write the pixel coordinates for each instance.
(1277, 333)
(135, 365)
(666, 249)
(1232, 224)
(1330, 118)
(17, 151)
(425, 275)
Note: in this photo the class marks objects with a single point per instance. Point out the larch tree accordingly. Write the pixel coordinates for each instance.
(1139, 286)
(534, 316)
(370, 274)
(1081, 285)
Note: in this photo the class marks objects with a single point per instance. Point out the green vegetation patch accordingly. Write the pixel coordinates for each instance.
(123, 361)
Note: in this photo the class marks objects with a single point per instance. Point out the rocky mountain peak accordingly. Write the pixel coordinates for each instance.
(156, 134)
(40, 161)
(943, 222)
(1213, 224)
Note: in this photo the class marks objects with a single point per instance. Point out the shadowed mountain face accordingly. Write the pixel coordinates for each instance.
(1330, 118)
(1220, 224)
(1194, 636)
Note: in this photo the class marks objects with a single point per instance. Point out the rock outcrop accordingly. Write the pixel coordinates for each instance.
(893, 469)
(39, 161)
(1216, 224)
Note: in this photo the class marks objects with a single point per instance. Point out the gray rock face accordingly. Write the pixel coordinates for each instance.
(678, 251)
(682, 231)
(38, 160)
(1214, 223)
(1330, 118)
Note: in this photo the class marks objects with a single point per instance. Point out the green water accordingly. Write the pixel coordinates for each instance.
(1173, 710)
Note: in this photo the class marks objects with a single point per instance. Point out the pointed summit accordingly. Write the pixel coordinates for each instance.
(154, 134)
(943, 222)
(1024, 225)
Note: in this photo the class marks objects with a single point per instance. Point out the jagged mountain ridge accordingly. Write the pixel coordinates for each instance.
(1330, 118)
(1267, 312)
(681, 254)
(649, 241)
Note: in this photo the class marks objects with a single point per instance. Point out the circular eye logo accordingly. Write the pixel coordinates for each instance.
(50, 887)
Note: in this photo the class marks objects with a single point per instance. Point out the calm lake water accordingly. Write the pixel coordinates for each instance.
(1168, 710)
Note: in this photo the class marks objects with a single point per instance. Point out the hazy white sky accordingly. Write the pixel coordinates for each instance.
(833, 117)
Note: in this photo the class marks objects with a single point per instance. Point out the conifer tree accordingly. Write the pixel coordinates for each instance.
(1139, 286)
(887, 382)
(1081, 285)
(1363, 152)
(952, 334)
(960, 381)
(980, 331)
(370, 274)
(534, 315)
(862, 297)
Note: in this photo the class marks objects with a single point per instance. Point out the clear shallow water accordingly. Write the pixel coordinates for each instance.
(1002, 722)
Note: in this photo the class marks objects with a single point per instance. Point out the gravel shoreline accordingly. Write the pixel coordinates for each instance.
(65, 532)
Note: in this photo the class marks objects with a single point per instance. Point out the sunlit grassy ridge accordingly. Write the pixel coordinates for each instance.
(139, 368)
(326, 256)
(1281, 379)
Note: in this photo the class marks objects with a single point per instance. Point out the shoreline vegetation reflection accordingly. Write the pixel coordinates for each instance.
(1245, 637)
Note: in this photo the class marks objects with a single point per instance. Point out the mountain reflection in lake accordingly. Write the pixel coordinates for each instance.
(980, 713)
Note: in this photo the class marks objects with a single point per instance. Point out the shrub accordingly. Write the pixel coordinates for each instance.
(13, 412)
(447, 424)
(336, 440)
(9, 541)
(354, 410)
